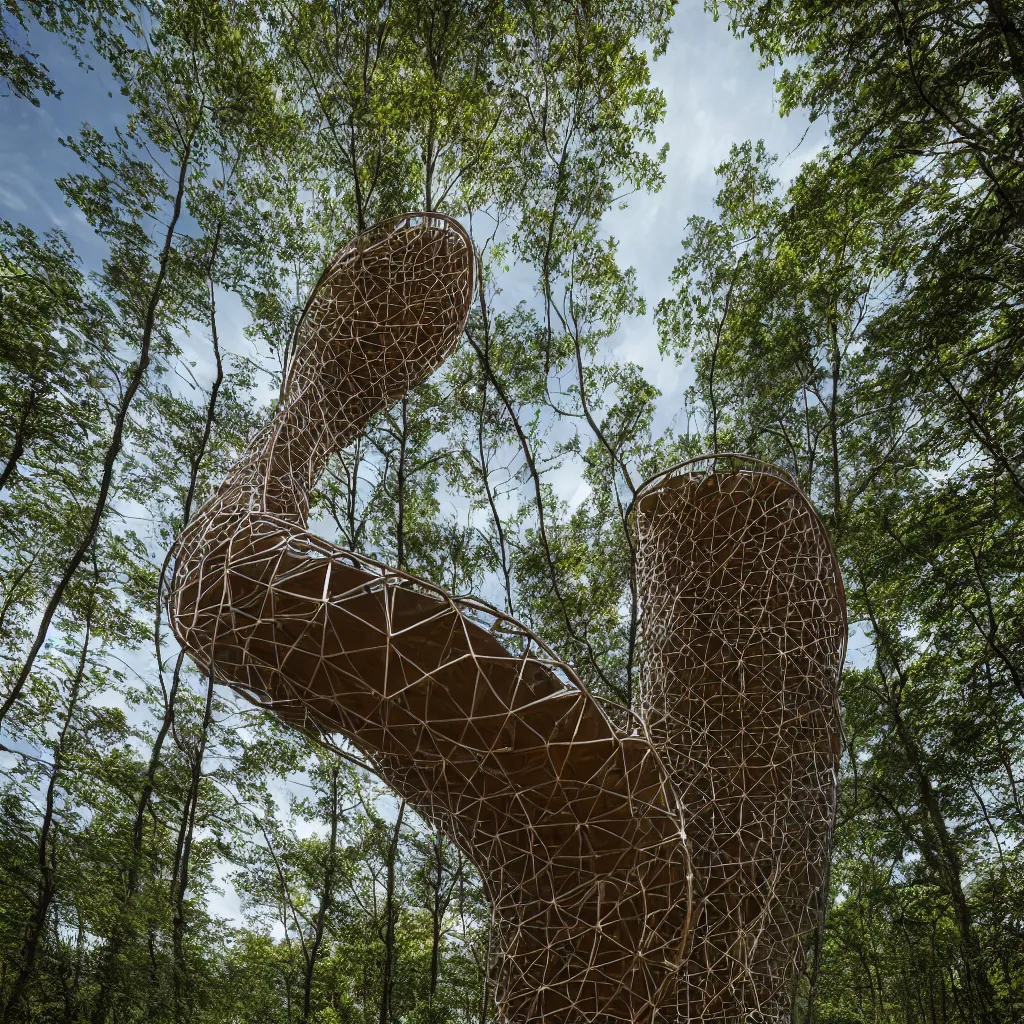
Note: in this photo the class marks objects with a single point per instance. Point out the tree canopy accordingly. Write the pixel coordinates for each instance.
(171, 853)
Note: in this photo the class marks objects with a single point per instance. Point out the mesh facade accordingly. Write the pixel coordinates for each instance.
(604, 907)
(743, 634)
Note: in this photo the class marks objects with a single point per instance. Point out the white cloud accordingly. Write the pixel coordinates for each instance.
(716, 96)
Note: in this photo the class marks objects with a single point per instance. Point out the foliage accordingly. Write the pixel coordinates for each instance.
(170, 852)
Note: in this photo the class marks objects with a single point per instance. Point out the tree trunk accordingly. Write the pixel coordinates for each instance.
(182, 858)
(118, 936)
(389, 926)
(485, 997)
(326, 899)
(403, 450)
(18, 448)
(436, 914)
(46, 851)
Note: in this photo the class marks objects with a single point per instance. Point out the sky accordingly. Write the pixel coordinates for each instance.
(716, 96)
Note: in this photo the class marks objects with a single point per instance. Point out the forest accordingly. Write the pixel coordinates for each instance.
(172, 853)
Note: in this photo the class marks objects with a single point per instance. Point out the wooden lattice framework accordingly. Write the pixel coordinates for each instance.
(604, 907)
(743, 622)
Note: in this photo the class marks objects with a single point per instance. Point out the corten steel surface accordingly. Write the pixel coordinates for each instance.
(575, 824)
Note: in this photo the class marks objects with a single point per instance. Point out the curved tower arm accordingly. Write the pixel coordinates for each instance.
(573, 825)
(743, 633)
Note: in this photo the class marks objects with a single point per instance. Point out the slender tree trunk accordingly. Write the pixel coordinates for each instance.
(390, 912)
(403, 451)
(720, 325)
(356, 183)
(485, 997)
(429, 162)
(506, 568)
(16, 453)
(436, 914)
(326, 899)
(833, 425)
(118, 936)
(18, 448)
(182, 858)
(46, 853)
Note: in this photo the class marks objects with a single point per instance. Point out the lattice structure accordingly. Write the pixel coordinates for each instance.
(575, 823)
(744, 630)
